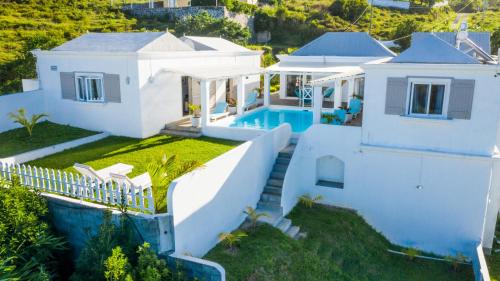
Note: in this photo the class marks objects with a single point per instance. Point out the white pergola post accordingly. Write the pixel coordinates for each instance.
(267, 89)
(350, 90)
(240, 96)
(205, 102)
(337, 98)
(317, 103)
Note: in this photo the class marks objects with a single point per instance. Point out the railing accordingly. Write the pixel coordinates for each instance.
(81, 187)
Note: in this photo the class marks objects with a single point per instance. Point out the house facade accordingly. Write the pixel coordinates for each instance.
(423, 167)
(132, 84)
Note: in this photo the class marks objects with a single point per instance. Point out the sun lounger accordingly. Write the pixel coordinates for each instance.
(103, 175)
(251, 100)
(220, 111)
(143, 180)
(355, 107)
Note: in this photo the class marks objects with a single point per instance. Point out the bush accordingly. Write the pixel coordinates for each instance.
(348, 9)
(28, 247)
(404, 31)
(495, 41)
(204, 24)
(464, 6)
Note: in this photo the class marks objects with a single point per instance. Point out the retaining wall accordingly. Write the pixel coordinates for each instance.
(32, 102)
(78, 220)
(174, 13)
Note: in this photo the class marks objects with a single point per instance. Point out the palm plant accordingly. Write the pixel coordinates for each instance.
(28, 123)
(194, 109)
(254, 216)
(308, 201)
(230, 240)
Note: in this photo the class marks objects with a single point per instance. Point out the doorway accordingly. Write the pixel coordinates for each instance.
(185, 95)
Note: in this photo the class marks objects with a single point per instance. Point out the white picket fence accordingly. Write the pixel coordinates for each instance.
(81, 187)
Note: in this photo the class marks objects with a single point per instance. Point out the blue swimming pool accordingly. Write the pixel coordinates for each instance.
(268, 119)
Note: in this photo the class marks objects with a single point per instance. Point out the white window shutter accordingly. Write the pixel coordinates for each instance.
(112, 91)
(68, 87)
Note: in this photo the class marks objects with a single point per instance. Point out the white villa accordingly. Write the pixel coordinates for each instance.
(412, 142)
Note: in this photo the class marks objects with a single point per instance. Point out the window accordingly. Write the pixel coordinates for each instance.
(428, 98)
(89, 87)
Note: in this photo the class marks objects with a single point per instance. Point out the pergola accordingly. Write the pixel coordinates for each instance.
(331, 75)
(206, 75)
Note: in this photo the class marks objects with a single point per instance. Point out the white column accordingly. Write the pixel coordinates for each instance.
(350, 90)
(205, 102)
(317, 104)
(337, 98)
(267, 89)
(283, 85)
(240, 96)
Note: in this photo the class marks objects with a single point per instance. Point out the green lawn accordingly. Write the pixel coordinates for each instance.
(340, 246)
(493, 260)
(139, 153)
(44, 134)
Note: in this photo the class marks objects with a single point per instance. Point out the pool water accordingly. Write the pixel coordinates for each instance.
(269, 119)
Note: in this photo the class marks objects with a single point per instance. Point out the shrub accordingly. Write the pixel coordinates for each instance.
(254, 216)
(404, 31)
(348, 9)
(149, 267)
(308, 201)
(230, 240)
(28, 248)
(411, 253)
(117, 266)
(495, 41)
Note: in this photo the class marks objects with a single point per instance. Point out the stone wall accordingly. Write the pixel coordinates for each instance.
(195, 268)
(174, 13)
(78, 220)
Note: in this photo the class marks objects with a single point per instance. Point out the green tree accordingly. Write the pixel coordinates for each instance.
(149, 267)
(495, 41)
(348, 9)
(404, 31)
(204, 24)
(117, 266)
(466, 6)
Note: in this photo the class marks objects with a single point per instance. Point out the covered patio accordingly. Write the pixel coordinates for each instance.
(318, 86)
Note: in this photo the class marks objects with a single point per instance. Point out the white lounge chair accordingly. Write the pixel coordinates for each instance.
(143, 180)
(220, 111)
(103, 175)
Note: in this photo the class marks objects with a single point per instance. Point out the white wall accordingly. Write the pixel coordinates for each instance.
(32, 102)
(475, 136)
(445, 216)
(211, 199)
(116, 118)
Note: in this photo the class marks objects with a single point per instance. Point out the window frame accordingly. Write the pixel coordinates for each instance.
(429, 82)
(87, 76)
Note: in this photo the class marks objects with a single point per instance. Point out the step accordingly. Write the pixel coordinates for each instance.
(282, 161)
(286, 155)
(280, 168)
(181, 133)
(273, 190)
(284, 225)
(275, 182)
(293, 231)
(182, 128)
(278, 175)
(269, 197)
(269, 205)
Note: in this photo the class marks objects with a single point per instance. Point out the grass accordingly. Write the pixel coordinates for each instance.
(44, 134)
(340, 246)
(138, 153)
(493, 260)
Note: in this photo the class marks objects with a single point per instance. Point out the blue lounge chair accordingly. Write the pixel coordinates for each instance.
(355, 107)
(251, 100)
(341, 114)
(220, 111)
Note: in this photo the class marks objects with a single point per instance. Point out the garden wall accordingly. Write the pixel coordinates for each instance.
(32, 102)
(174, 13)
(211, 199)
(77, 220)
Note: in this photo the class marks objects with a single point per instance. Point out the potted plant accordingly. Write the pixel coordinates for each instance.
(194, 110)
(231, 105)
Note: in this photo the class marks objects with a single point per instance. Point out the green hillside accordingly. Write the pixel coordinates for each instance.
(29, 24)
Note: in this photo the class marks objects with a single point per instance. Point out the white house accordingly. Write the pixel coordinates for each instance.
(132, 84)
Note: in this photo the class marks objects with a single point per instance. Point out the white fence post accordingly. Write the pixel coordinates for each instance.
(81, 187)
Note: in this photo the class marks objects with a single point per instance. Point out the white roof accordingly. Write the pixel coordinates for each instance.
(216, 72)
(212, 43)
(302, 67)
(125, 42)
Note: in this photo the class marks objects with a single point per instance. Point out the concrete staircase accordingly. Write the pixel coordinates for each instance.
(270, 200)
(182, 128)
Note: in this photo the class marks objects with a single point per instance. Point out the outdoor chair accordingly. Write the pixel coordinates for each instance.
(355, 107)
(103, 175)
(341, 115)
(143, 181)
(251, 100)
(328, 93)
(220, 111)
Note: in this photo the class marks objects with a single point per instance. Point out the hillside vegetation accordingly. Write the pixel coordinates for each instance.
(29, 24)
